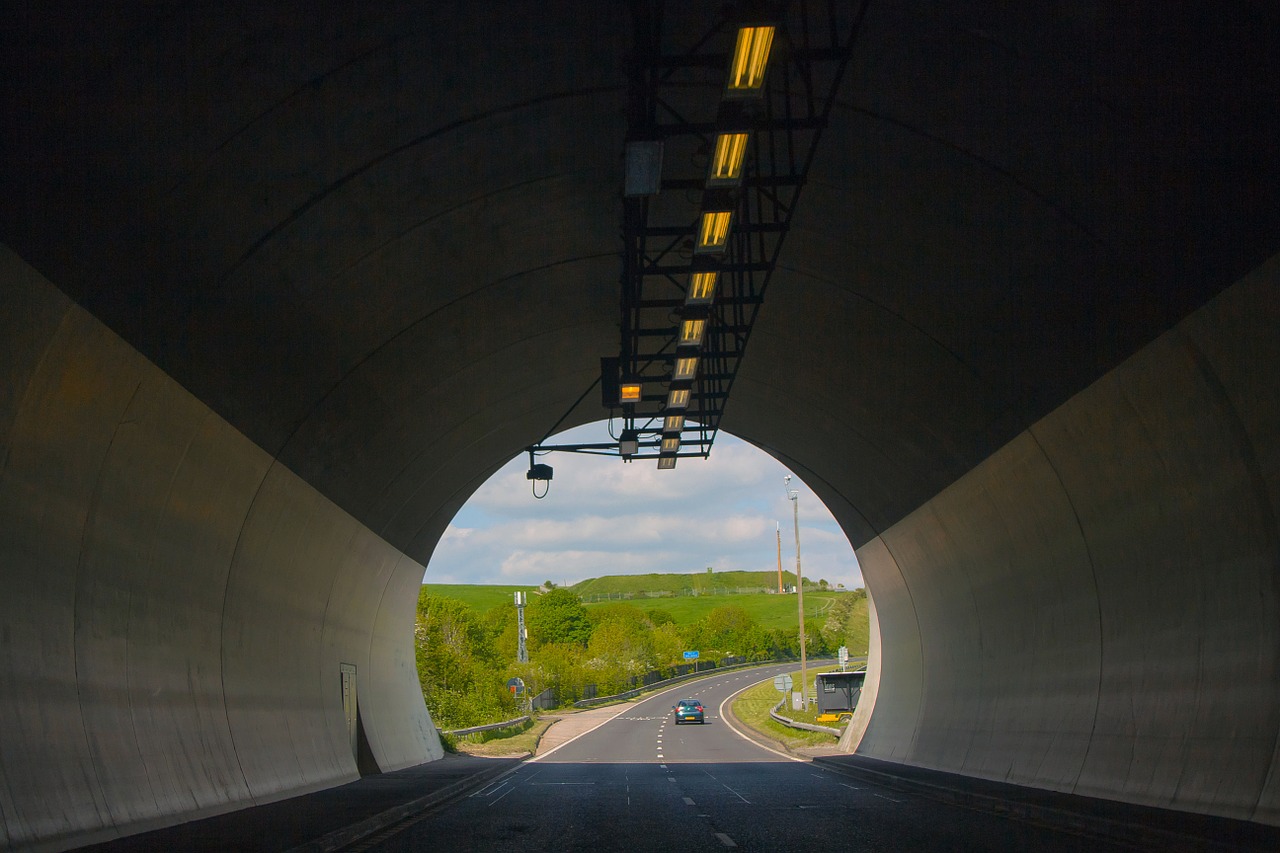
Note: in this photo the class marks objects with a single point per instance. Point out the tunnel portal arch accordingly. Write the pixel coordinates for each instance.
(280, 290)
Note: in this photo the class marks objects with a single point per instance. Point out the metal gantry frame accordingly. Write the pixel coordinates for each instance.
(680, 105)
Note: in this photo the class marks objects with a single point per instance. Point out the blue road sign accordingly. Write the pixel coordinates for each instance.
(690, 655)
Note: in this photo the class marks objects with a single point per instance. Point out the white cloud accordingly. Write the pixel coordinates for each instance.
(605, 517)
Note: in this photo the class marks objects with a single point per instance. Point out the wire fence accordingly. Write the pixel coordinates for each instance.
(691, 592)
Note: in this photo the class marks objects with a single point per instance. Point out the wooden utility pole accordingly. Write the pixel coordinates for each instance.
(779, 557)
(794, 495)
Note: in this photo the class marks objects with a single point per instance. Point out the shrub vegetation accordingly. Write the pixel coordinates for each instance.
(466, 651)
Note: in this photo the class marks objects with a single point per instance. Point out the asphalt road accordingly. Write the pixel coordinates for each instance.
(639, 783)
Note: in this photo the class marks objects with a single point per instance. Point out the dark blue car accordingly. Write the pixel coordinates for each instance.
(688, 710)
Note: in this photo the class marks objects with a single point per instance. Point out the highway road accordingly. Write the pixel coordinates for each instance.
(639, 783)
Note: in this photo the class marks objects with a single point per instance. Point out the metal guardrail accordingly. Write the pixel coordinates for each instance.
(810, 727)
(667, 682)
(489, 728)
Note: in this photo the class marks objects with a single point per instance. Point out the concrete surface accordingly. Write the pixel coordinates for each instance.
(1094, 608)
(326, 820)
(178, 603)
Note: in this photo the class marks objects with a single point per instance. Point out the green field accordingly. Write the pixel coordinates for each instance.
(680, 584)
(769, 610)
(479, 597)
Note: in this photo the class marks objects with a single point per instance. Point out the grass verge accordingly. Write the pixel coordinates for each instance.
(752, 709)
(500, 743)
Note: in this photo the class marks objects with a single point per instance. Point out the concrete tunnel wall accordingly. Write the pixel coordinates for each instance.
(1095, 608)
(381, 243)
(176, 603)
(1091, 609)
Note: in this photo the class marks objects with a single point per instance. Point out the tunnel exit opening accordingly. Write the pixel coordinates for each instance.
(680, 553)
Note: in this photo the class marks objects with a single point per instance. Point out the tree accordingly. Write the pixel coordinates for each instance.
(458, 664)
(658, 618)
(622, 611)
(669, 644)
(846, 623)
(730, 630)
(558, 617)
(620, 649)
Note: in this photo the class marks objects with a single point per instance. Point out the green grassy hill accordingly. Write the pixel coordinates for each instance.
(769, 610)
(678, 584)
(480, 597)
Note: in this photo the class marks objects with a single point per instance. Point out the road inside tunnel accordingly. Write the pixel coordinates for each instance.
(640, 782)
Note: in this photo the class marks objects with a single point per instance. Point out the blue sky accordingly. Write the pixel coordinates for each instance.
(606, 517)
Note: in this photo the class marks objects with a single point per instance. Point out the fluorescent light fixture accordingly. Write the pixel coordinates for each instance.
(713, 231)
(673, 423)
(629, 392)
(702, 287)
(678, 398)
(686, 367)
(750, 56)
(670, 444)
(691, 332)
(666, 463)
(726, 163)
(642, 174)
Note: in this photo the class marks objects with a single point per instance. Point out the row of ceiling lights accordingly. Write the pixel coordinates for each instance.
(745, 79)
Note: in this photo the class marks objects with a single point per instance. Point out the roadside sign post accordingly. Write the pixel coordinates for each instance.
(844, 657)
(782, 683)
(693, 656)
(516, 686)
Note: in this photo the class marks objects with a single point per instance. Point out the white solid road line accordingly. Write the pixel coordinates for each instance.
(624, 706)
(630, 705)
(734, 728)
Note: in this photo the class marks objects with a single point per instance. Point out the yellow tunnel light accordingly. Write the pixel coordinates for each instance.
(670, 444)
(691, 332)
(678, 398)
(673, 423)
(702, 287)
(726, 164)
(685, 368)
(629, 392)
(666, 463)
(713, 231)
(750, 56)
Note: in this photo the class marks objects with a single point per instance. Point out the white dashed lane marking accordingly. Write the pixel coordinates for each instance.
(725, 840)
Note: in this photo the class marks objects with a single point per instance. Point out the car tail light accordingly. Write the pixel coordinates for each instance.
(699, 707)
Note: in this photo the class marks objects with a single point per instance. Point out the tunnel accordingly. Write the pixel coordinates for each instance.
(282, 284)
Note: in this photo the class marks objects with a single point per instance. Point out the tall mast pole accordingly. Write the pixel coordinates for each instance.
(794, 495)
(522, 650)
(779, 557)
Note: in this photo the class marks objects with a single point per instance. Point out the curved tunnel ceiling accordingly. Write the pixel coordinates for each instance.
(384, 243)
